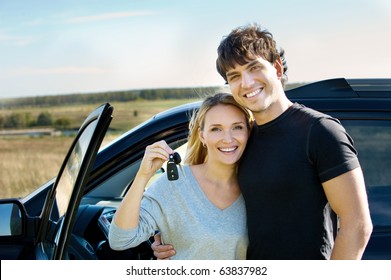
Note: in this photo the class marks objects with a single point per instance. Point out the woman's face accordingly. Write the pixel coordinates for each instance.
(225, 134)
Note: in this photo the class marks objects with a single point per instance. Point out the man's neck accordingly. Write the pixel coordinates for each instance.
(273, 112)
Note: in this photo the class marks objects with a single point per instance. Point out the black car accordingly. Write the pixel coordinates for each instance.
(69, 217)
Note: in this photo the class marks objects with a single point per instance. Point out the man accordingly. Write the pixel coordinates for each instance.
(300, 170)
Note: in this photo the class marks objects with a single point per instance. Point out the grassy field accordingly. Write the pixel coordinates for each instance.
(25, 163)
(126, 114)
(28, 162)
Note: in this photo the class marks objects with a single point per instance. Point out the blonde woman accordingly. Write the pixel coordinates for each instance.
(202, 214)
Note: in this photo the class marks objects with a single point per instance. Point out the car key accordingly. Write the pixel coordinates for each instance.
(172, 169)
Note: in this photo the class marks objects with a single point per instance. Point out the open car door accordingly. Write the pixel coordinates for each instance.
(51, 232)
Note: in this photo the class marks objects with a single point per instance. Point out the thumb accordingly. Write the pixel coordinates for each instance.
(158, 240)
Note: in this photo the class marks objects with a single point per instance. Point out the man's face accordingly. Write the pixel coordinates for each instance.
(256, 85)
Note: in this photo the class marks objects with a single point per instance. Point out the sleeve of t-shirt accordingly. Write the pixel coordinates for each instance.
(331, 149)
(150, 215)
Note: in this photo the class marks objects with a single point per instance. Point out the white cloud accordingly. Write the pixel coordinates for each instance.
(107, 16)
(67, 70)
(15, 40)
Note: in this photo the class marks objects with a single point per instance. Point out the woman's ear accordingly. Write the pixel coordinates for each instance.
(201, 136)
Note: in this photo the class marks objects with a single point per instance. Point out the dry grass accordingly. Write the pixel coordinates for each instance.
(26, 163)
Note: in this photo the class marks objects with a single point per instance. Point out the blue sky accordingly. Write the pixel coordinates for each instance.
(71, 46)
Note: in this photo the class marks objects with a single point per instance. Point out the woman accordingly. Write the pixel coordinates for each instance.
(202, 214)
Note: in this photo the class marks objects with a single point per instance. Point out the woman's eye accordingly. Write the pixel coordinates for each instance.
(238, 127)
(215, 129)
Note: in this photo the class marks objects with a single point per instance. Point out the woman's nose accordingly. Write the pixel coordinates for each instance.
(227, 138)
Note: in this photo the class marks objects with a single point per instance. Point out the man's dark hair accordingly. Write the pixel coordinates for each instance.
(246, 43)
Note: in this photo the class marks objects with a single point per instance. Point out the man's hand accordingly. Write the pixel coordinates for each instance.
(162, 252)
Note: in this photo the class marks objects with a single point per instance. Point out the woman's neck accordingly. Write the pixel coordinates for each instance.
(219, 175)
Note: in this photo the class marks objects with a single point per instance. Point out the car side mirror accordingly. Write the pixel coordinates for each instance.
(11, 218)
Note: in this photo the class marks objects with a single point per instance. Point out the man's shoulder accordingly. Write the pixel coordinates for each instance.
(302, 109)
(309, 113)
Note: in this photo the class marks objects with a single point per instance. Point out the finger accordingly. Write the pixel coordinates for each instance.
(157, 151)
(163, 144)
(162, 252)
(166, 254)
(157, 238)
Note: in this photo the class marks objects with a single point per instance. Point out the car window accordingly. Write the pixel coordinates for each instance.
(372, 140)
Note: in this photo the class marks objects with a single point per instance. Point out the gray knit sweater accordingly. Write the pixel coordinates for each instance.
(188, 220)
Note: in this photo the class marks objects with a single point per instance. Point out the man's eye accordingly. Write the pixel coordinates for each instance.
(233, 78)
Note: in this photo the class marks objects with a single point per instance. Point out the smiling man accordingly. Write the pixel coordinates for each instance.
(300, 176)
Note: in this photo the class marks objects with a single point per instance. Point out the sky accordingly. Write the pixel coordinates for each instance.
(80, 46)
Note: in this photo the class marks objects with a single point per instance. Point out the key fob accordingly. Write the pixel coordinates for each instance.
(172, 169)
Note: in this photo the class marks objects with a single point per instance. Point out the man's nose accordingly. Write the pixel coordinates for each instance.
(247, 80)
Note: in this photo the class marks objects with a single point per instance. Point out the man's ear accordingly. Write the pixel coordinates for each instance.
(279, 67)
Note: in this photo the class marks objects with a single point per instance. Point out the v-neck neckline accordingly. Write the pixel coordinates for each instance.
(205, 198)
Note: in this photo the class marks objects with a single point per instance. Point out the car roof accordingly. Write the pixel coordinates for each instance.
(343, 88)
(361, 95)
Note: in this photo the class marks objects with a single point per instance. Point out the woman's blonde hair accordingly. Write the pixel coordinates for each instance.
(196, 153)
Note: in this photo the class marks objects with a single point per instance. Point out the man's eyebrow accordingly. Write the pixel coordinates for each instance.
(252, 64)
(231, 73)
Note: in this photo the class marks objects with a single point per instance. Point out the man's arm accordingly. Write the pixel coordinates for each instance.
(348, 198)
(162, 252)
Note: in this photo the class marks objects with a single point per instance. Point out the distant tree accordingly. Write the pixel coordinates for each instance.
(2, 121)
(15, 120)
(28, 120)
(44, 119)
(115, 96)
(62, 123)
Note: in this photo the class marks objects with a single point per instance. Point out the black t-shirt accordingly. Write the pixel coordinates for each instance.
(281, 175)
